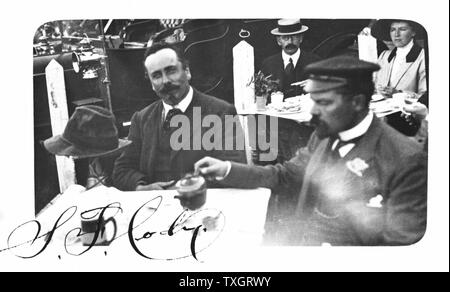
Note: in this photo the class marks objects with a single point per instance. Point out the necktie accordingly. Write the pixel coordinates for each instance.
(335, 152)
(289, 70)
(170, 114)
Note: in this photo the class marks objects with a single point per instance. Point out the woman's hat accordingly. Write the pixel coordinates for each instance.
(289, 27)
(90, 132)
(381, 29)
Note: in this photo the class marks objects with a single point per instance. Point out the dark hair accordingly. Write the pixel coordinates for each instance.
(160, 46)
(410, 23)
(356, 86)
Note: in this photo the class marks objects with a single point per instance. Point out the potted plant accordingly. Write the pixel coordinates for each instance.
(263, 86)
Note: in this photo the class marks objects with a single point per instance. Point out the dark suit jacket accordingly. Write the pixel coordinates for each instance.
(137, 162)
(274, 65)
(397, 171)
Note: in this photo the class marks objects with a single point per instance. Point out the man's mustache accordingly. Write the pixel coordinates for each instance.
(169, 87)
(315, 121)
(290, 46)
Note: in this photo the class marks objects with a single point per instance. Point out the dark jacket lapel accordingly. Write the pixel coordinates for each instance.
(302, 62)
(314, 164)
(153, 128)
(410, 59)
(279, 68)
(412, 55)
(392, 55)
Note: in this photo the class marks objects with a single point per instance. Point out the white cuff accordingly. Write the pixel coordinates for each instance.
(218, 178)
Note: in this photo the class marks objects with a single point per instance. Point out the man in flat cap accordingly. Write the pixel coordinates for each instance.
(358, 182)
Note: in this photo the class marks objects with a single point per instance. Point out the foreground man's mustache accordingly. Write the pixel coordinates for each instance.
(315, 121)
(169, 87)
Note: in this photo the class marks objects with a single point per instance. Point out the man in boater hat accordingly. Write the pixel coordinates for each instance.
(287, 65)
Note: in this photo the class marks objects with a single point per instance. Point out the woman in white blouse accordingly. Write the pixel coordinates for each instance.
(403, 67)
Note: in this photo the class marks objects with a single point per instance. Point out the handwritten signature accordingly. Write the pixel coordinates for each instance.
(183, 223)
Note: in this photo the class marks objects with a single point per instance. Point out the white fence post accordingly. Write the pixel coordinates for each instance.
(59, 116)
(243, 71)
(244, 94)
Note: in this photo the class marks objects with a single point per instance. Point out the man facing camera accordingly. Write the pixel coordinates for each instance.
(288, 67)
(289, 64)
(358, 182)
(155, 159)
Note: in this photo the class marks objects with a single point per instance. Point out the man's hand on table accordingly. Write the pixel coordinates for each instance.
(417, 109)
(212, 167)
(386, 91)
(156, 186)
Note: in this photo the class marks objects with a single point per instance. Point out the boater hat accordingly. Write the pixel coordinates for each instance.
(90, 132)
(289, 27)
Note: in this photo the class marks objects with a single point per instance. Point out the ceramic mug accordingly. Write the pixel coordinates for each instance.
(277, 97)
(192, 192)
(90, 226)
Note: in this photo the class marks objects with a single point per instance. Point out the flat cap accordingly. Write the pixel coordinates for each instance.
(336, 72)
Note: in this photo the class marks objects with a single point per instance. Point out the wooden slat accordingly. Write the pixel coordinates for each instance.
(244, 94)
(59, 116)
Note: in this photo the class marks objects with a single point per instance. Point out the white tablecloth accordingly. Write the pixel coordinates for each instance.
(301, 116)
(385, 107)
(239, 223)
(380, 108)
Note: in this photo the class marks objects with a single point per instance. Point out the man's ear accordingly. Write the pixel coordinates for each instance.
(188, 73)
(279, 40)
(359, 102)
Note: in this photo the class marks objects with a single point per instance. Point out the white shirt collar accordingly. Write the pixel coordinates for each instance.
(403, 51)
(294, 57)
(358, 130)
(182, 105)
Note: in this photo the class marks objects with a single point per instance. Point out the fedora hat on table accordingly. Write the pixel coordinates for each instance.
(90, 132)
(289, 27)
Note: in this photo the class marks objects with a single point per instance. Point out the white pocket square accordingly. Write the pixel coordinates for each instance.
(375, 202)
(357, 166)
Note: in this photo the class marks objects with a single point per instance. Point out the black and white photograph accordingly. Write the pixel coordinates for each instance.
(299, 138)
